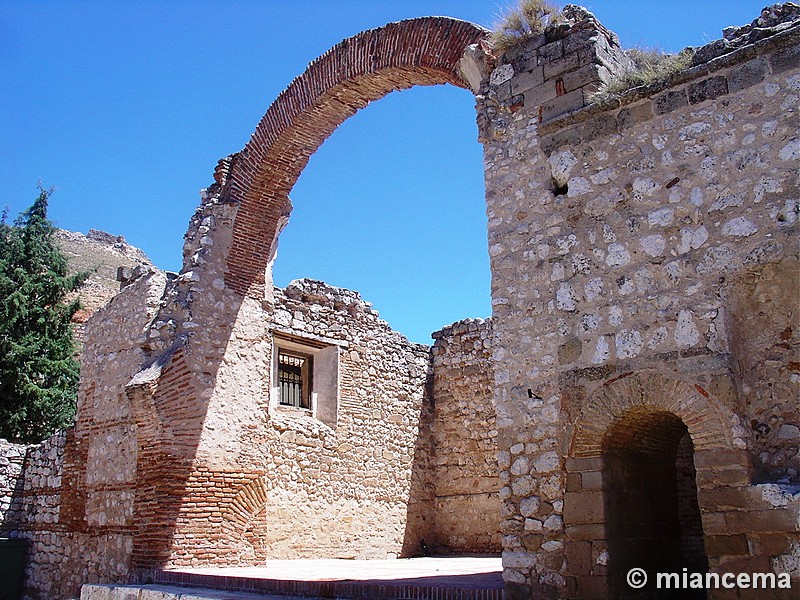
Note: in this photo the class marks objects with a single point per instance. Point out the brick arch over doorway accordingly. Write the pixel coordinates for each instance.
(705, 417)
(355, 72)
(627, 418)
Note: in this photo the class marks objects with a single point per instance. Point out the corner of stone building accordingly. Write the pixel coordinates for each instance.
(463, 469)
(549, 75)
(627, 245)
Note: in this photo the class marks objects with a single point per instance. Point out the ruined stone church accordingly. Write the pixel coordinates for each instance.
(632, 401)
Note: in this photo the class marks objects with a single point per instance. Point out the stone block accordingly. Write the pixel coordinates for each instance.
(551, 52)
(532, 541)
(542, 93)
(574, 482)
(503, 92)
(743, 564)
(726, 545)
(579, 557)
(598, 127)
(566, 137)
(722, 498)
(569, 102)
(584, 76)
(584, 507)
(570, 62)
(592, 480)
(773, 521)
(593, 463)
(525, 61)
(714, 523)
(583, 39)
(720, 458)
(594, 587)
(785, 59)
(729, 477)
(770, 544)
(586, 531)
(708, 89)
(634, 114)
(519, 560)
(525, 81)
(669, 101)
(748, 74)
(96, 592)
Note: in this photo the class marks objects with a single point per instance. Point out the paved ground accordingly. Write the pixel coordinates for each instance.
(97, 591)
(461, 572)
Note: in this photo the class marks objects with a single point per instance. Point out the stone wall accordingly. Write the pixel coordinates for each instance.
(360, 485)
(464, 474)
(347, 480)
(644, 264)
(12, 457)
(73, 498)
(643, 255)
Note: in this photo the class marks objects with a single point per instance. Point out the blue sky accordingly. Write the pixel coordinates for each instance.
(126, 107)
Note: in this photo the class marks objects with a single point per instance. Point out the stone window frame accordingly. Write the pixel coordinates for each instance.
(324, 378)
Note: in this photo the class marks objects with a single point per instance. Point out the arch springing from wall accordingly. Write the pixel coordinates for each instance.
(355, 72)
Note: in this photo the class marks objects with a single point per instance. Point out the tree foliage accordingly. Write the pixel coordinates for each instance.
(38, 371)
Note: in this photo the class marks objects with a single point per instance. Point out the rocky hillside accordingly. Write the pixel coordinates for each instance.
(109, 258)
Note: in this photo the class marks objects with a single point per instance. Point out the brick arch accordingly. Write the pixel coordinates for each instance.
(243, 522)
(355, 72)
(705, 417)
(250, 501)
(648, 413)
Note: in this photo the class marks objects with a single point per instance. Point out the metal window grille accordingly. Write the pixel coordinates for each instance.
(294, 380)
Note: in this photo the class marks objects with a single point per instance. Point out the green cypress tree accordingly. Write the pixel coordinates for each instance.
(38, 372)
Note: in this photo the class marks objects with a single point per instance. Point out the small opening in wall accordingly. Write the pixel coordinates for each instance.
(559, 190)
(294, 379)
(305, 375)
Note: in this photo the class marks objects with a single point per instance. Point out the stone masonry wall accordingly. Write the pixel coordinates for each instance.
(399, 472)
(294, 485)
(12, 457)
(73, 498)
(655, 238)
(352, 481)
(464, 473)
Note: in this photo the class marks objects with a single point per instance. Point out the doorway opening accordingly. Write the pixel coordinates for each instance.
(650, 494)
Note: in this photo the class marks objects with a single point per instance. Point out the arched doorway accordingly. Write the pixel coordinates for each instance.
(632, 490)
(650, 495)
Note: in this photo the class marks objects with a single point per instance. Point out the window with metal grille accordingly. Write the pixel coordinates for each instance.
(294, 379)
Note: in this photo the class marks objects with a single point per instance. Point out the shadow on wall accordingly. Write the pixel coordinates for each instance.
(764, 322)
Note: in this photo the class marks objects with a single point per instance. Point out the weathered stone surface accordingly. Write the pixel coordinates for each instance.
(656, 218)
(644, 285)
